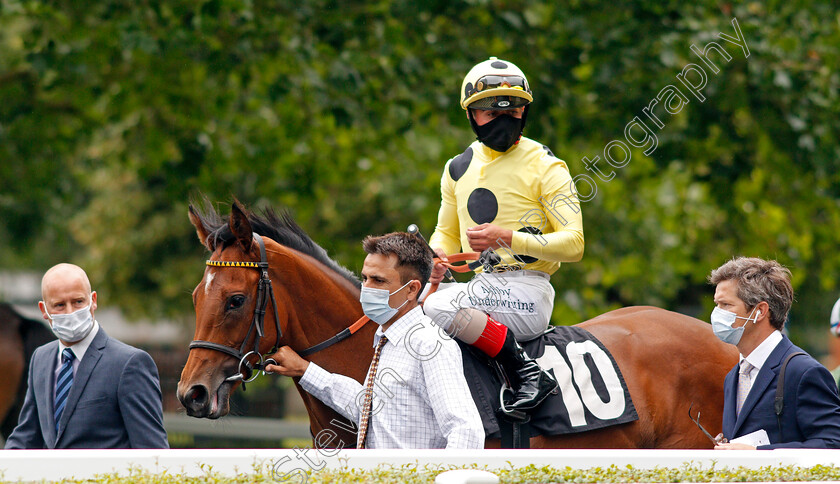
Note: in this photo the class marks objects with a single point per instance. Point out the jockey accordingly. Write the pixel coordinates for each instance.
(510, 198)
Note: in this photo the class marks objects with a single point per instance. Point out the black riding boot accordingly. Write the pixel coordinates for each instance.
(534, 383)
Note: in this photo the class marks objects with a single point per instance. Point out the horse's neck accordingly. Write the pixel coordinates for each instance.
(319, 304)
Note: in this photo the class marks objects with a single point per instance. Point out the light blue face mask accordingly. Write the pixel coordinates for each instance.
(375, 303)
(722, 321)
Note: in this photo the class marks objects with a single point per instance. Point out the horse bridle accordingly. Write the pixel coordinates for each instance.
(257, 324)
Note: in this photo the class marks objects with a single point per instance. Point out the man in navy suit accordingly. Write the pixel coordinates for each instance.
(752, 299)
(86, 390)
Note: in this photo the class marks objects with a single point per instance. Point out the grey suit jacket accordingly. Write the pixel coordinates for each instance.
(115, 401)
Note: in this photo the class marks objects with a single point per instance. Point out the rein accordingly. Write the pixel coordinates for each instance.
(341, 336)
(264, 291)
(463, 257)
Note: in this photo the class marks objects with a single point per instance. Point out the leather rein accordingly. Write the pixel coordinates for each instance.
(258, 322)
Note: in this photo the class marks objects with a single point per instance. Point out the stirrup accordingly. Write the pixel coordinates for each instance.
(513, 415)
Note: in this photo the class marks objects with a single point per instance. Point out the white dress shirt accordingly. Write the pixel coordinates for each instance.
(759, 355)
(420, 400)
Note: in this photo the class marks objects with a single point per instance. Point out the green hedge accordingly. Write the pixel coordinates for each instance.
(529, 474)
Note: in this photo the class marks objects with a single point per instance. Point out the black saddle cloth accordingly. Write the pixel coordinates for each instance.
(592, 392)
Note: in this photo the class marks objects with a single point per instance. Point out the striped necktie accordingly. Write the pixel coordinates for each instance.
(63, 383)
(368, 404)
(744, 385)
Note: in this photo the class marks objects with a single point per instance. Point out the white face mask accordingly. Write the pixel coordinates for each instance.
(72, 327)
(722, 321)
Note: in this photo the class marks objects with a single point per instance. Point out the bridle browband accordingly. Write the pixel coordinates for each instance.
(257, 324)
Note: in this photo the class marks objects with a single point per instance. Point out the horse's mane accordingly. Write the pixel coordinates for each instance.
(280, 228)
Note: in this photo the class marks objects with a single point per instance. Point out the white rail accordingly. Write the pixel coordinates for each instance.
(30, 465)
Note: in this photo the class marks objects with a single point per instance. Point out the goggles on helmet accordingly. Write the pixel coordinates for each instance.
(495, 82)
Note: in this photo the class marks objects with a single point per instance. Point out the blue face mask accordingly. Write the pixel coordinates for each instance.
(722, 321)
(375, 303)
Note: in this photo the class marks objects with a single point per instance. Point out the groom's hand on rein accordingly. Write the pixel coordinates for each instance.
(289, 363)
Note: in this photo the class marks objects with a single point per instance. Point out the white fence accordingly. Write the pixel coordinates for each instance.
(82, 464)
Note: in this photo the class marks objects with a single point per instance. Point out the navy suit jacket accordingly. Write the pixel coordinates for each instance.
(115, 401)
(811, 415)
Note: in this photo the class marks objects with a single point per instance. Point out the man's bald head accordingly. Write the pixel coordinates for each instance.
(64, 274)
(66, 289)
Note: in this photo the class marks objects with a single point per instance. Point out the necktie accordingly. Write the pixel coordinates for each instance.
(744, 385)
(368, 404)
(63, 383)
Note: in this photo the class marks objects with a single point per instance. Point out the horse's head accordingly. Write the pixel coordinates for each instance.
(236, 314)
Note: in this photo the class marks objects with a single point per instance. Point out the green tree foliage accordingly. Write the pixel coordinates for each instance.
(113, 114)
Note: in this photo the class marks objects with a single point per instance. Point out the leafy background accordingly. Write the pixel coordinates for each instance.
(113, 114)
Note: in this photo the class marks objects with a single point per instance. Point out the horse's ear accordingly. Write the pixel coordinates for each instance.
(240, 226)
(200, 229)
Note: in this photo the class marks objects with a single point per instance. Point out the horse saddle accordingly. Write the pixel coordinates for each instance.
(592, 392)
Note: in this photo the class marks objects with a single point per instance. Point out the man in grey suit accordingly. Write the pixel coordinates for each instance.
(86, 390)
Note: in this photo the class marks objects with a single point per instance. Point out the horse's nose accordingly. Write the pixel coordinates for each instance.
(196, 400)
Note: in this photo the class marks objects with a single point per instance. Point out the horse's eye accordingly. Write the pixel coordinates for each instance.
(235, 302)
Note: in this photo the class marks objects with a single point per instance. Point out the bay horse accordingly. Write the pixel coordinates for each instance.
(19, 336)
(669, 361)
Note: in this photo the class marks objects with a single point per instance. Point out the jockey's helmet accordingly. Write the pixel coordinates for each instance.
(495, 84)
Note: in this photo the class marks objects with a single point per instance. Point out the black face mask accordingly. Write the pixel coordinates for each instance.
(501, 133)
